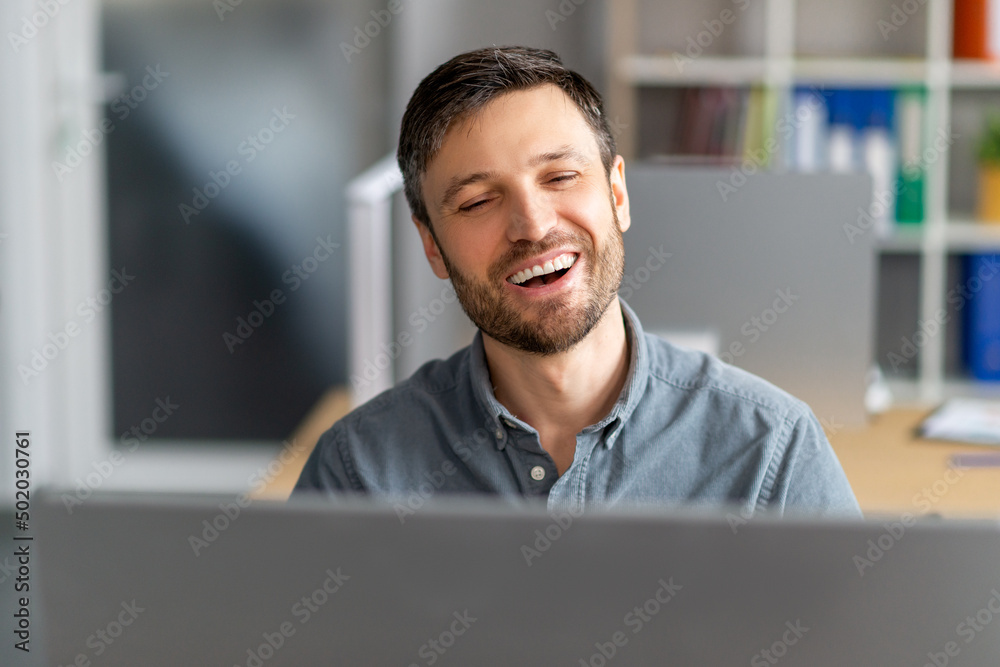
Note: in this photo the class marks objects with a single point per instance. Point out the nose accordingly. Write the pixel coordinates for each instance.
(531, 216)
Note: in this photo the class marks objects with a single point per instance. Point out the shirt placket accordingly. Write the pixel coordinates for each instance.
(569, 490)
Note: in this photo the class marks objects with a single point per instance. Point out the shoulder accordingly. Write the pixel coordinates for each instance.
(403, 430)
(436, 382)
(731, 414)
(682, 371)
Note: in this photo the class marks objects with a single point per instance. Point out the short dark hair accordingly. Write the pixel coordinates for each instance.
(468, 82)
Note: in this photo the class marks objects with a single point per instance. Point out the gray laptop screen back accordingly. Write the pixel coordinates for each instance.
(769, 268)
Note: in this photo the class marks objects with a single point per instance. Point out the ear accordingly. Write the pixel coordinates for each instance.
(431, 249)
(620, 193)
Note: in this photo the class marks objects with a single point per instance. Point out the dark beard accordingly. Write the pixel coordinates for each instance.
(558, 325)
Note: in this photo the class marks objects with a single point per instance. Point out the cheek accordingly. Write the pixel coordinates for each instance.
(477, 245)
(590, 210)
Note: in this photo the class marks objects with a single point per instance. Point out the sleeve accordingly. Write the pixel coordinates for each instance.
(326, 471)
(806, 476)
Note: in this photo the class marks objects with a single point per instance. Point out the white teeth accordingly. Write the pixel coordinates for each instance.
(558, 264)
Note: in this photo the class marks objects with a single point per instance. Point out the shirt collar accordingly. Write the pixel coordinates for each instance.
(628, 399)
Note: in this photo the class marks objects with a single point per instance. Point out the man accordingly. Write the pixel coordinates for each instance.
(516, 191)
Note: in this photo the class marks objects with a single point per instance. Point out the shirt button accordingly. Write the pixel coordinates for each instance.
(538, 473)
(499, 434)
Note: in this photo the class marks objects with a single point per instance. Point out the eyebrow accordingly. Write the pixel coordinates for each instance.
(456, 184)
(566, 152)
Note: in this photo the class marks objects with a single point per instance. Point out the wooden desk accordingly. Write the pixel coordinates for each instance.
(333, 405)
(894, 471)
(891, 469)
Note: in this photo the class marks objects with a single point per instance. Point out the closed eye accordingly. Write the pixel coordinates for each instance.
(473, 206)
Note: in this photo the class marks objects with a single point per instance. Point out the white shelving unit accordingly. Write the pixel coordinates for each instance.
(768, 58)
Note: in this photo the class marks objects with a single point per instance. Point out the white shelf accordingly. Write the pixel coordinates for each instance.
(907, 392)
(678, 70)
(975, 75)
(861, 72)
(969, 388)
(966, 235)
(669, 71)
(904, 238)
(960, 234)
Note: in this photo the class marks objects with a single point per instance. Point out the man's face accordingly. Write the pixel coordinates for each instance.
(518, 186)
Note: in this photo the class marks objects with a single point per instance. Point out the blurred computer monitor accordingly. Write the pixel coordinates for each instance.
(770, 273)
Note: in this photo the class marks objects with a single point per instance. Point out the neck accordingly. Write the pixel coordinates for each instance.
(567, 391)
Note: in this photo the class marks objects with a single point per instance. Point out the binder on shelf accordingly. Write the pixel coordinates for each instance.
(976, 29)
(809, 143)
(910, 104)
(878, 151)
(877, 130)
(842, 134)
(982, 323)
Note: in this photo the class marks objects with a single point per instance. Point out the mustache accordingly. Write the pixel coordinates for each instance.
(522, 250)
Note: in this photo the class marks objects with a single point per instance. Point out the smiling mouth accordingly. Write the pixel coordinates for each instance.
(544, 274)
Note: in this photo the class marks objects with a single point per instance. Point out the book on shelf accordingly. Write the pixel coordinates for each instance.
(712, 123)
(720, 126)
(878, 130)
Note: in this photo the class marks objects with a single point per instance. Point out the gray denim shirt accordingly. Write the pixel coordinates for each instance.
(686, 429)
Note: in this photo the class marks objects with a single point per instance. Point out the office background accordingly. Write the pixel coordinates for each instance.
(205, 149)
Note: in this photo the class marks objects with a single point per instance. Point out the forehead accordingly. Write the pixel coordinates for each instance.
(509, 131)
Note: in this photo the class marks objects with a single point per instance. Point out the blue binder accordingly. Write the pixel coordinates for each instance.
(982, 325)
